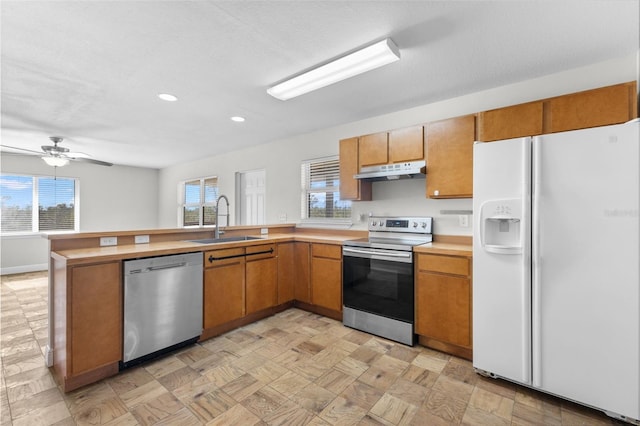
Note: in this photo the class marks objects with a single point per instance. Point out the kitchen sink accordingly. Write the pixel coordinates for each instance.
(224, 240)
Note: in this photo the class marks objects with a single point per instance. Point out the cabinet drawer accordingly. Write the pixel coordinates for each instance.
(261, 251)
(444, 264)
(330, 251)
(223, 256)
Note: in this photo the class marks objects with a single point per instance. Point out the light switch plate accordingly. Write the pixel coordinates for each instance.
(142, 239)
(108, 241)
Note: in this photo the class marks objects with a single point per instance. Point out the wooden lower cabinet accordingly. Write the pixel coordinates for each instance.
(302, 272)
(444, 302)
(286, 272)
(87, 317)
(224, 286)
(326, 276)
(261, 275)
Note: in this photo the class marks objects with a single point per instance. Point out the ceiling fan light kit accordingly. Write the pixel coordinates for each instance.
(369, 58)
(55, 161)
(57, 156)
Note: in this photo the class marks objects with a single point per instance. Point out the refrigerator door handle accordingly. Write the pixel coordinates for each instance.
(536, 338)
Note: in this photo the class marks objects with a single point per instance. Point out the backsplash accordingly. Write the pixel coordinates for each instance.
(407, 198)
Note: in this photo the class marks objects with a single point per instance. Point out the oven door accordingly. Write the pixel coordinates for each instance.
(379, 282)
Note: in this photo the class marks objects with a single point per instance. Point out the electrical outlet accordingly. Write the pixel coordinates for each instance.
(108, 241)
(142, 239)
(463, 220)
(264, 231)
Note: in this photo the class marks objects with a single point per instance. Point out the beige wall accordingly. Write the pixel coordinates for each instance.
(281, 159)
(111, 198)
(122, 198)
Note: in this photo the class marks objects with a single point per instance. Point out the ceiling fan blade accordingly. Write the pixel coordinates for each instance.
(90, 160)
(22, 149)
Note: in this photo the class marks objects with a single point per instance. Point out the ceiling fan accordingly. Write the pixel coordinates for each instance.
(58, 156)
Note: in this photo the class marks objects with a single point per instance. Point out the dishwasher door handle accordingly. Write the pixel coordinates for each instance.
(170, 266)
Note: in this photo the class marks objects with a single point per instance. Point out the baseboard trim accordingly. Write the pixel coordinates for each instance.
(23, 268)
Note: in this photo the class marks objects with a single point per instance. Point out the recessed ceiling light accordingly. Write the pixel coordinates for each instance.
(237, 119)
(167, 97)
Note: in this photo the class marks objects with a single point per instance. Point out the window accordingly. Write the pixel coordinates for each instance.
(199, 202)
(38, 203)
(321, 191)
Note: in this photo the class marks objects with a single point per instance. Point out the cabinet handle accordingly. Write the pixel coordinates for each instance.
(212, 259)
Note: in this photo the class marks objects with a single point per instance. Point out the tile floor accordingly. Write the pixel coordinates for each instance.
(295, 368)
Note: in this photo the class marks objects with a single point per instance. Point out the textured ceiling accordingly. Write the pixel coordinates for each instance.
(90, 70)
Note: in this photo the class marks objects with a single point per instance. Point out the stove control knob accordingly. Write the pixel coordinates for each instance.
(424, 224)
(415, 224)
(374, 223)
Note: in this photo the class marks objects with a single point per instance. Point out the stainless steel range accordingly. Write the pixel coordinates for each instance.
(378, 284)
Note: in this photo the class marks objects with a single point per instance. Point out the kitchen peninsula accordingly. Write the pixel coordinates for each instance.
(303, 270)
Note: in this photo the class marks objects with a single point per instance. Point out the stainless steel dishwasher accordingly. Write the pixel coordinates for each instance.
(162, 305)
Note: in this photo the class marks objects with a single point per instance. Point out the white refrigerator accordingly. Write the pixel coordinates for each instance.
(556, 264)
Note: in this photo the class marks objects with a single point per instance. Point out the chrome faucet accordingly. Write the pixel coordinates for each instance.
(216, 233)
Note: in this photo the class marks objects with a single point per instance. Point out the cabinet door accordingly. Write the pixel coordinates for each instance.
(302, 287)
(326, 276)
(510, 122)
(591, 108)
(351, 188)
(286, 272)
(261, 280)
(444, 308)
(406, 144)
(96, 316)
(373, 149)
(224, 293)
(450, 157)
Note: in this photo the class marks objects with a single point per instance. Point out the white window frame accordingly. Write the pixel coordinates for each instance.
(305, 190)
(35, 207)
(201, 205)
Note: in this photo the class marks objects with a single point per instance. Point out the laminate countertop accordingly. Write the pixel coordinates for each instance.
(133, 251)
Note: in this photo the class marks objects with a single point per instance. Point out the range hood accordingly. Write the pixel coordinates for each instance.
(408, 170)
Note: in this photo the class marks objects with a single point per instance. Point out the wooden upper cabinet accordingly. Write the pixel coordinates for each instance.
(351, 188)
(373, 149)
(592, 108)
(450, 157)
(510, 122)
(406, 144)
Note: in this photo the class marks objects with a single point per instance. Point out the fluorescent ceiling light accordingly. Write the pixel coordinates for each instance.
(167, 97)
(56, 161)
(363, 60)
(237, 119)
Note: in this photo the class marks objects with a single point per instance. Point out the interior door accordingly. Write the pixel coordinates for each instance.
(252, 197)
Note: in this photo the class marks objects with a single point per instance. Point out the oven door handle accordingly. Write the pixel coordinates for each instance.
(403, 255)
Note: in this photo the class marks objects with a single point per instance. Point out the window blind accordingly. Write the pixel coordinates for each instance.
(320, 185)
